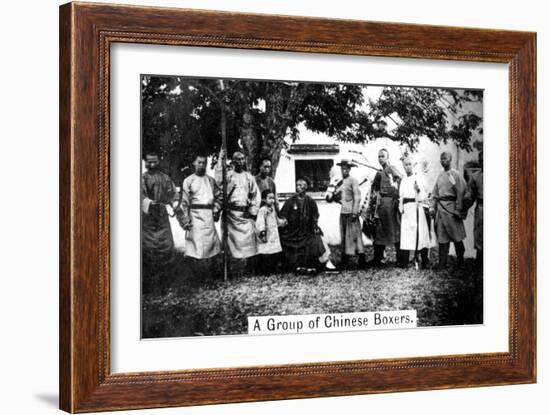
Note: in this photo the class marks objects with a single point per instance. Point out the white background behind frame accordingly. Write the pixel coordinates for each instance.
(130, 354)
(30, 322)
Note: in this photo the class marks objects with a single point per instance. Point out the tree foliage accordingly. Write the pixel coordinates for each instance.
(181, 116)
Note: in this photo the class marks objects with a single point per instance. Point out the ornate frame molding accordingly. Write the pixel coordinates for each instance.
(86, 34)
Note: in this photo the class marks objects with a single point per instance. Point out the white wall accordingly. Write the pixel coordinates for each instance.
(29, 228)
(427, 152)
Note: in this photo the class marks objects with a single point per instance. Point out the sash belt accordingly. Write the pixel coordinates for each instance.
(238, 208)
(447, 198)
(201, 206)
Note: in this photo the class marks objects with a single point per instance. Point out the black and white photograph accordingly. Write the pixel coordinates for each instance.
(295, 198)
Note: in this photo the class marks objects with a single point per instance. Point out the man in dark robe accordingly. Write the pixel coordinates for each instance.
(475, 195)
(384, 208)
(265, 181)
(301, 238)
(157, 243)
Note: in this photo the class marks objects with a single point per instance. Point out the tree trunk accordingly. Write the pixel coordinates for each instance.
(249, 140)
(275, 143)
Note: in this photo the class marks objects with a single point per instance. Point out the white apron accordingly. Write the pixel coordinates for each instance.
(409, 214)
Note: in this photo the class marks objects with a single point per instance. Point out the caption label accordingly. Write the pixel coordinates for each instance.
(318, 323)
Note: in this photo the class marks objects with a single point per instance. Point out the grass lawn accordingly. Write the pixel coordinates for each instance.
(214, 307)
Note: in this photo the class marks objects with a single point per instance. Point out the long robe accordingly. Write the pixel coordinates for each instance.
(350, 227)
(157, 191)
(475, 195)
(411, 211)
(299, 237)
(243, 205)
(200, 200)
(448, 201)
(385, 189)
(268, 222)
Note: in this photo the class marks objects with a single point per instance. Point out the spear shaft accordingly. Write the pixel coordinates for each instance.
(223, 126)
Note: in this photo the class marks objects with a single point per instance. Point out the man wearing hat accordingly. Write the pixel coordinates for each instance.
(348, 194)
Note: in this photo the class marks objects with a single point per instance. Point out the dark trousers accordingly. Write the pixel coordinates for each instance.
(444, 253)
(268, 264)
(404, 256)
(200, 270)
(239, 267)
(479, 259)
(379, 253)
(157, 274)
(361, 261)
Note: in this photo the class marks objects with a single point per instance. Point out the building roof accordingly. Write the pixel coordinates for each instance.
(314, 148)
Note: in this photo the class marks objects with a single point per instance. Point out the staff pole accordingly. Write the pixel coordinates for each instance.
(223, 127)
(417, 195)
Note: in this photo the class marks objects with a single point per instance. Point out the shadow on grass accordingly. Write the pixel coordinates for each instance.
(200, 303)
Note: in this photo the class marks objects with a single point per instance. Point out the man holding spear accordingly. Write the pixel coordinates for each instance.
(384, 207)
(415, 233)
(243, 202)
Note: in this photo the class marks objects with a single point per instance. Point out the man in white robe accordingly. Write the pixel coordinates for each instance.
(243, 203)
(415, 232)
(201, 204)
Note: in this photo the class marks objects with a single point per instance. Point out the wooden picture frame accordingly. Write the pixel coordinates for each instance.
(86, 33)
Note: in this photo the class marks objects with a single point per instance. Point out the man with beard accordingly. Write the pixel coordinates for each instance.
(243, 203)
(447, 206)
(201, 199)
(301, 237)
(475, 195)
(157, 191)
(384, 207)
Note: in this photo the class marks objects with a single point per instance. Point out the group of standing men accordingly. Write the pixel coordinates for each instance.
(200, 206)
(402, 209)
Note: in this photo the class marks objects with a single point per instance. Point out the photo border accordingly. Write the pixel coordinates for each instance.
(86, 34)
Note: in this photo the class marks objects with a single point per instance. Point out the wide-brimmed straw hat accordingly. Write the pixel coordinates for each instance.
(346, 162)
